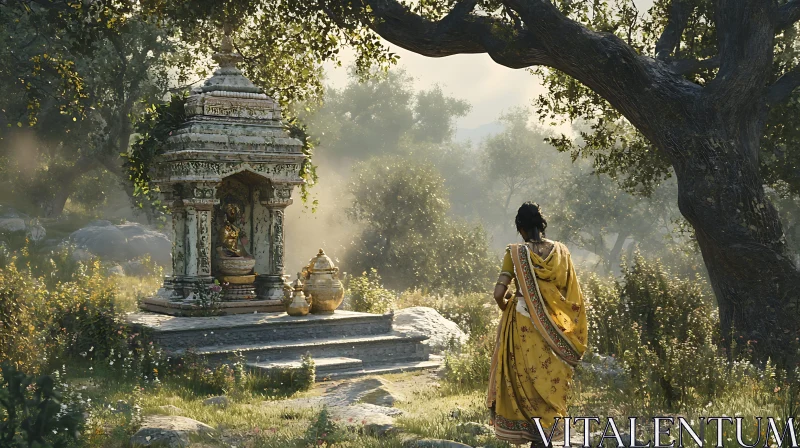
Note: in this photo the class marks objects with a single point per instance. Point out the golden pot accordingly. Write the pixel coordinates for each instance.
(323, 285)
(298, 306)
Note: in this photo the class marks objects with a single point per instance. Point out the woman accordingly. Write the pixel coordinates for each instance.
(542, 334)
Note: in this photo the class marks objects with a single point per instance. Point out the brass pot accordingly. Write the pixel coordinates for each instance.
(297, 305)
(323, 285)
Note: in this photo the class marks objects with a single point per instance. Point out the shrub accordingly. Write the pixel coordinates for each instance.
(32, 412)
(39, 323)
(662, 328)
(469, 370)
(285, 381)
(67, 314)
(324, 431)
(367, 294)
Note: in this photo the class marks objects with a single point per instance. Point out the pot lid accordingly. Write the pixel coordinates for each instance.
(298, 284)
(321, 262)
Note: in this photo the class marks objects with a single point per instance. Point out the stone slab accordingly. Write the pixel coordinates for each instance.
(384, 369)
(321, 364)
(175, 334)
(181, 309)
(382, 347)
(162, 323)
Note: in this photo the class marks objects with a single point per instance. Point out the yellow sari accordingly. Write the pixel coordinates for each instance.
(541, 337)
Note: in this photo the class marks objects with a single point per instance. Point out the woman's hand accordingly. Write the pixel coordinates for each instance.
(502, 303)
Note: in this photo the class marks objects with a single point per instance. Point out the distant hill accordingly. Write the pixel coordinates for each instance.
(477, 134)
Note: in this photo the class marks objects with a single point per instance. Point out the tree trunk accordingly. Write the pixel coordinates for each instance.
(66, 186)
(613, 256)
(756, 283)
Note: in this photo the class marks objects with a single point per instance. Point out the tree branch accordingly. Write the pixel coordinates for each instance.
(783, 87)
(745, 30)
(635, 85)
(679, 13)
(457, 33)
(788, 14)
(689, 66)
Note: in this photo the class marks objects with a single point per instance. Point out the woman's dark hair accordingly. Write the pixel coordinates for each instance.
(529, 218)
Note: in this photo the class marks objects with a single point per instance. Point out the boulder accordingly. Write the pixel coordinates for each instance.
(116, 270)
(123, 242)
(428, 321)
(171, 431)
(12, 225)
(12, 221)
(143, 241)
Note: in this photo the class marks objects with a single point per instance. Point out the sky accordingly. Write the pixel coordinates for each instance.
(489, 87)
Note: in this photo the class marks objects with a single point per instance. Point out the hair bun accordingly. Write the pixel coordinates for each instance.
(529, 217)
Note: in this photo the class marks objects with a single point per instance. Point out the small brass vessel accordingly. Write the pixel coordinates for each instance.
(298, 306)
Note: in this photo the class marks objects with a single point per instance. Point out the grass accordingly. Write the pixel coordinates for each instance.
(254, 421)
(132, 289)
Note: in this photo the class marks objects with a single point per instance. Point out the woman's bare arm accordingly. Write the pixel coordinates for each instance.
(500, 290)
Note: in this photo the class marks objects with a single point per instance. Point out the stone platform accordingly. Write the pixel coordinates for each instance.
(228, 307)
(342, 344)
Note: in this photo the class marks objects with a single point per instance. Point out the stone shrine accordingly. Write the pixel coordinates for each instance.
(227, 176)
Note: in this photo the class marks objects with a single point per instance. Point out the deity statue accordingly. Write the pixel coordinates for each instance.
(230, 243)
(234, 264)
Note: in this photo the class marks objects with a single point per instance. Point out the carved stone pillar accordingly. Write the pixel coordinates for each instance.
(199, 200)
(269, 285)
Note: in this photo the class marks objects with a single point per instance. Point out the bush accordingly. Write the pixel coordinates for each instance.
(469, 370)
(32, 412)
(324, 431)
(39, 323)
(367, 294)
(663, 329)
(67, 314)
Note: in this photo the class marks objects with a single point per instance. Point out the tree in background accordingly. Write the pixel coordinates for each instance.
(382, 115)
(519, 164)
(74, 150)
(408, 236)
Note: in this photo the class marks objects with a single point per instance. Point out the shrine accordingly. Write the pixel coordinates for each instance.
(227, 176)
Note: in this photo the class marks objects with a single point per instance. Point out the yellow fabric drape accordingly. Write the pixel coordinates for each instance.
(528, 378)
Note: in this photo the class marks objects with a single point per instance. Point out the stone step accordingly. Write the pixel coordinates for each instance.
(383, 369)
(322, 365)
(180, 333)
(377, 348)
(328, 369)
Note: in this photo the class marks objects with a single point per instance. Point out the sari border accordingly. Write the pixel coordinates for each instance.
(540, 318)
